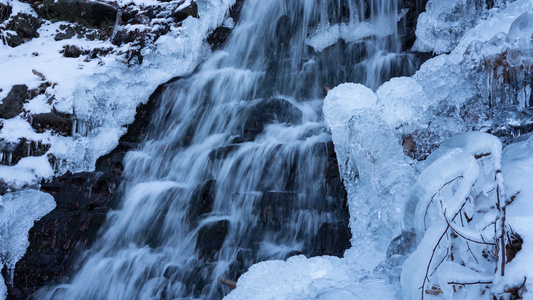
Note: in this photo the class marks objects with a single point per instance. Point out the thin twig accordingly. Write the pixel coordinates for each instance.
(470, 283)
(431, 259)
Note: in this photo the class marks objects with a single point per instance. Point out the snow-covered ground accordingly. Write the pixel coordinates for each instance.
(408, 241)
(102, 93)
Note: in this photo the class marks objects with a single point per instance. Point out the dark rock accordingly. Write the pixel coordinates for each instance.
(222, 152)
(191, 10)
(71, 51)
(56, 240)
(56, 121)
(404, 244)
(68, 33)
(87, 13)
(12, 153)
(5, 12)
(407, 25)
(123, 37)
(25, 25)
(235, 10)
(332, 239)
(12, 104)
(269, 111)
(218, 37)
(211, 238)
(283, 32)
(13, 40)
(275, 207)
(202, 201)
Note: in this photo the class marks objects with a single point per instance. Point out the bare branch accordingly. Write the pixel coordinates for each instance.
(470, 283)
(426, 277)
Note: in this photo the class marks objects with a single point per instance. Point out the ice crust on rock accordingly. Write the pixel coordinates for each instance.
(18, 211)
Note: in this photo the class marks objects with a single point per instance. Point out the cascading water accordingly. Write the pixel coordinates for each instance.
(235, 167)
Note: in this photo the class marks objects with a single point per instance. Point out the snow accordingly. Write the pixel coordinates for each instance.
(103, 93)
(18, 212)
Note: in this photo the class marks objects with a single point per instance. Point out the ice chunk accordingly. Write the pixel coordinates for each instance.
(441, 27)
(17, 215)
(399, 99)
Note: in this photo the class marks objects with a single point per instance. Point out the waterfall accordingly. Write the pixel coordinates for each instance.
(236, 166)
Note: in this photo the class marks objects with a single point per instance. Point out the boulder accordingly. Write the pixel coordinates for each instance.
(12, 105)
(24, 25)
(71, 51)
(13, 40)
(211, 238)
(66, 33)
(268, 111)
(202, 200)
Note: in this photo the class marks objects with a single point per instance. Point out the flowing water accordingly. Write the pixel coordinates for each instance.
(237, 166)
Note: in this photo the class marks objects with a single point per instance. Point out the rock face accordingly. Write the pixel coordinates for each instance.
(88, 13)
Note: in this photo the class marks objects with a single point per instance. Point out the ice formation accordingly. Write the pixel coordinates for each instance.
(18, 211)
(440, 117)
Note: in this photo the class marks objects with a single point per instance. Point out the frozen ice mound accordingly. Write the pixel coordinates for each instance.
(324, 278)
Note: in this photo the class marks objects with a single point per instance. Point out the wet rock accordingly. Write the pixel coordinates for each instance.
(211, 238)
(283, 32)
(5, 12)
(222, 152)
(235, 10)
(60, 123)
(88, 13)
(24, 25)
(202, 201)
(332, 239)
(218, 37)
(56, 240)
(275, 207)
(71, 51)
(191, 10)
(269, 111)
(12, 104)
(408, 24)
